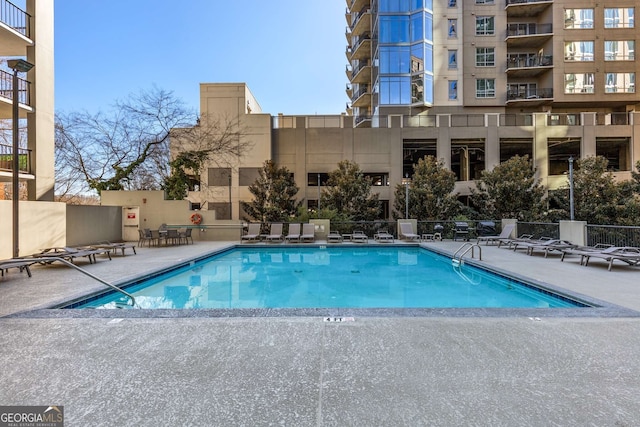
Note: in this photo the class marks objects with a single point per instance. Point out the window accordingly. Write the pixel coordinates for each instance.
(222, 210)
(379, 179)
(453, 90)
(523, 91)
(559, 150)
(578, 83)
(452, 25)
(484, 1)
(395, 90)
(312, 179)
(467, 159)
(394, 29)
(620, 83)
(485, 57)
(394, 59)
(453, 3)
(219, 177)
(619, 17)
(485, 26)
(515, 147)
(578, 18)
(453, 59)
(485, 88)
(616, 151)
(247, 176)
(578, 51)
(623, 50)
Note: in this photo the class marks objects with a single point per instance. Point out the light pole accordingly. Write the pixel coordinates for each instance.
(318, 193)
(571, 187)
(17, 65)
(406, 181)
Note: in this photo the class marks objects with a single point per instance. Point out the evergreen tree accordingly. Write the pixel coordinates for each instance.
(348, 191)
(274, 195)
(510, 190)
(597, 198)
(431, 195)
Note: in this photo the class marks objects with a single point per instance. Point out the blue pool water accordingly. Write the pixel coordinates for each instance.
(318, 277)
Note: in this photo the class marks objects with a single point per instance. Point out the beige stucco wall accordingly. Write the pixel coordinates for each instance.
(92, 224)
(154, 211)
(42, 225)
(41, 122)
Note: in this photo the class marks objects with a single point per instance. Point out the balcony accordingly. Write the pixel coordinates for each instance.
(362, 97)
(531, 97)
(15, 30)
(528, 64)
(526, 8)
(361, 47)
(6, 161)
(361, 22)
(361, 73)
(358, 4)
(528, 34)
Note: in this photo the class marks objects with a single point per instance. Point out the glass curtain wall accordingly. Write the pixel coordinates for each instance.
(404, 53)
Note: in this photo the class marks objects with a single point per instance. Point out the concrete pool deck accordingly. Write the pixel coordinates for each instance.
(304, 371)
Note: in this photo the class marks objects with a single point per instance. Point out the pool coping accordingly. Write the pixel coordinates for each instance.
(596, 308)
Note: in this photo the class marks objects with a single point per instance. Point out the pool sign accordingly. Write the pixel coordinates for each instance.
(32, 416)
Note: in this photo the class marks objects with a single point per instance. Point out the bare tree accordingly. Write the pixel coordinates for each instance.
(125, 150)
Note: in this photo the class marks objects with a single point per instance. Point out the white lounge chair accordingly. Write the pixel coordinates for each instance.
(275, 234)
(308, 233)
(253, 233)
(294, 233)
(358, 236)
(406, 232)
(334, 237)
(504, 234)
(383, 236)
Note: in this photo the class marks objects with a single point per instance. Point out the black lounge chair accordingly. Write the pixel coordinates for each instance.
(20, 263)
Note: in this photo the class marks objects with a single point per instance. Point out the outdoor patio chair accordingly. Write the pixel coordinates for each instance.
(406, 232)
(294, 233)
(186, 235)
(504, 234)
(334, 237)
(383, 236)
(114, 247)
(358, 236)
(19, 263)
(626, 254)
(252, 234)
(546, 246)
(308, 233)
(275, 233)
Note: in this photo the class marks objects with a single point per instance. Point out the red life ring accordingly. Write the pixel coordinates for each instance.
(196, 218)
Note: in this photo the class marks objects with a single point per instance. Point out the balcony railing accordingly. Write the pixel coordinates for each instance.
(619, 119)
(526, 1)
(15, 18)
(530, 94)
(528, 29)
(6, 88)
(6, 159)
(529, 60)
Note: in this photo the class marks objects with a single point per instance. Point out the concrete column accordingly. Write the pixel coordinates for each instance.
(574, 232)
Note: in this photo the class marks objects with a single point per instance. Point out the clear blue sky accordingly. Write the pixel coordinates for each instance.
(289, 52)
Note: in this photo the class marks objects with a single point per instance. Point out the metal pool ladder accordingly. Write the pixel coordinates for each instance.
(456, 260)
(85, 272)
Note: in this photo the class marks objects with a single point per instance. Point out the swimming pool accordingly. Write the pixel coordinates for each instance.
(331, 277)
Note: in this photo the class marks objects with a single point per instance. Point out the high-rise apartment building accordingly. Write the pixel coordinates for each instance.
(421, 57)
